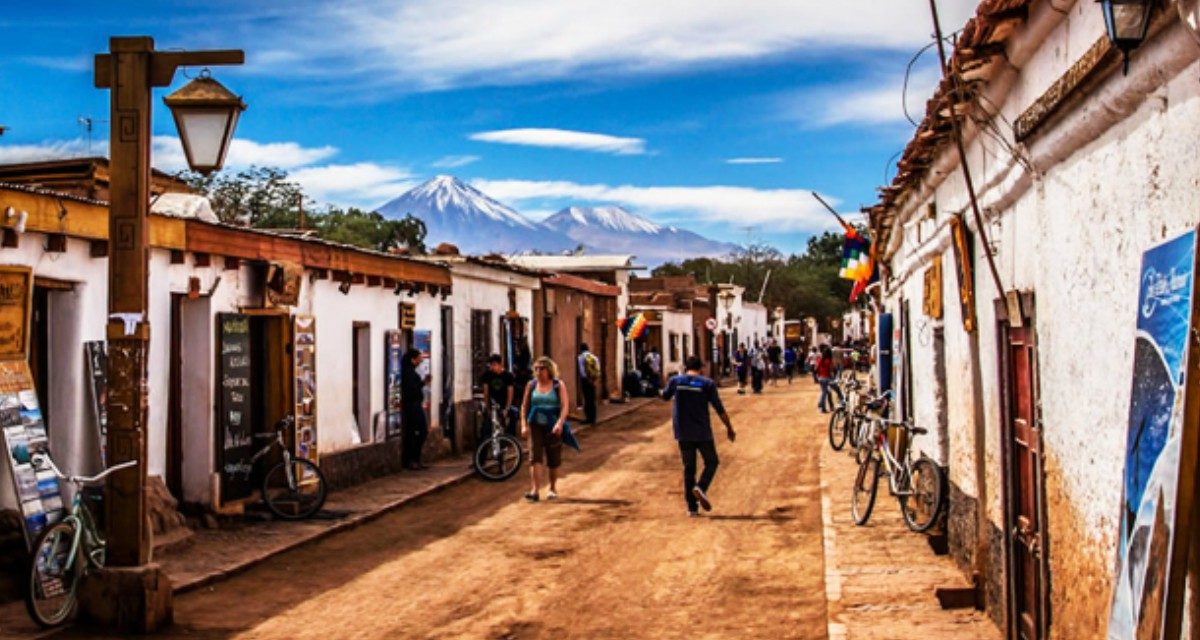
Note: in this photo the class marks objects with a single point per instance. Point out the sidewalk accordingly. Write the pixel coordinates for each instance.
(880, 579)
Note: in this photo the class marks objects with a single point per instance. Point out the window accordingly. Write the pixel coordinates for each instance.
(673, 345)
(686, 345)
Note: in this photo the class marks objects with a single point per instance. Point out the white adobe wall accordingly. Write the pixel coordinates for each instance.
(679, 323)
(472, 292)
(754, 322)
(1075, 237)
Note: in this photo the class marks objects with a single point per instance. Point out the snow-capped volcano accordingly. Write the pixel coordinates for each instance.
(456, 212)
(616, 230)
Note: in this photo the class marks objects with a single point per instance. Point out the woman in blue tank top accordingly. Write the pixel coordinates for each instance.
(543, 414)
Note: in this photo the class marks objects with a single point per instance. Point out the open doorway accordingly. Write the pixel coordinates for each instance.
(361, 350)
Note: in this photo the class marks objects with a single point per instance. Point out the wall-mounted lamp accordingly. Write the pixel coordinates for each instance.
(1127, 22)
(344, 287)
(16, 219)
(399, 288)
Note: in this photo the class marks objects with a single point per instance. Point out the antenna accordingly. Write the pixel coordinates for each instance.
(88, 123)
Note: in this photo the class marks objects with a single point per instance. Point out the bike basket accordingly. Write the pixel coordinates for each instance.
(92, 497)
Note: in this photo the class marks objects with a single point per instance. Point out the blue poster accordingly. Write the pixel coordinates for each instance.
(1153, 435)
(883, 366)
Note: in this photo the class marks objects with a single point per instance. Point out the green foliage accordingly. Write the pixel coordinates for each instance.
(264, 198)
(804, 284)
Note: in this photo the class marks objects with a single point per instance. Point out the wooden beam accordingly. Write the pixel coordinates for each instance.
(98, 248)
(232, 264)
(56, 243)
(177, 256)
(1100, 55)
(202, 259)
(11, 239)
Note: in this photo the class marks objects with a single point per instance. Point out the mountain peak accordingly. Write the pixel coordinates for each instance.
(445, 195)
(610, 217)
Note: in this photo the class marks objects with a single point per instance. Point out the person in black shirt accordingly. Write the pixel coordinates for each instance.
(499, 387)
(412, 410)
(693, 393)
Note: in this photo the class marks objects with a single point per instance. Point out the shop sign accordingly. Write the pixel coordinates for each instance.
(1162, 437)
(304, 367)
(966, 278)
(932, 300)
(16, 285)
(408, 315)
(234, 410)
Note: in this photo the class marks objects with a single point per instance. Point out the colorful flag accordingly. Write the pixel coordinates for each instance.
(858, 261)
(633, 327)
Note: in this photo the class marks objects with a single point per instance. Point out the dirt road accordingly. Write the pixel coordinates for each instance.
(615, 557)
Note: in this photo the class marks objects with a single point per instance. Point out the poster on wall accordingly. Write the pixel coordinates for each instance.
(235, 430)
(38, 492)
(1160, 441)
(394, 342)
(16, 293)
(97, 374)
(304, 364)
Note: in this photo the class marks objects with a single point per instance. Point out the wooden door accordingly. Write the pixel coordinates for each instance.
(174, 468)
(1024, 508)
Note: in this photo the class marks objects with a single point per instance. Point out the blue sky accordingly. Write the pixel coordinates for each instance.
(714, 115)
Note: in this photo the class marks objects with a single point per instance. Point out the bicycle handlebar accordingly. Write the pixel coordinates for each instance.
(44, 462)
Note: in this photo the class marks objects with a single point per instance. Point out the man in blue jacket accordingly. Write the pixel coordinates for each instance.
(693, 393)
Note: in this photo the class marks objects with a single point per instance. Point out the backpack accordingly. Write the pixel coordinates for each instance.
(592, 365)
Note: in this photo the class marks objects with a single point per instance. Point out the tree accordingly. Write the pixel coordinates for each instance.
(370, 230)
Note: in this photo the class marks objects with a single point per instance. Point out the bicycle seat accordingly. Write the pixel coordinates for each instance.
(877, 404)
(920, 431)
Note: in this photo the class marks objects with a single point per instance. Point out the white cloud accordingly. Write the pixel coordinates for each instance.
(362, 184)
(775, 210)
(49, 150)
(564, 139)
(755, 160)
(433, 44)
(168, 154)
(873, 103)
(454, 162)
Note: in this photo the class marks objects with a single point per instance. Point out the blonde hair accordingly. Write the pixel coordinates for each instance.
(545, 361)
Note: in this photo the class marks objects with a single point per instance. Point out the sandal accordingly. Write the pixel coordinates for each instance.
(531, 497)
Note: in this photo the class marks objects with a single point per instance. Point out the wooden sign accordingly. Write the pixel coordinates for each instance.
(16, 293)
(235, 431)
(932, 303)
(408, 315)
(966, 276)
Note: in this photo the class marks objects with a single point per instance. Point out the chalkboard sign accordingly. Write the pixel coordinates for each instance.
(97, 372)
(235, 419)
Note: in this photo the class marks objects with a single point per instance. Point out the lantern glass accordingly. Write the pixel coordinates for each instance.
(206, 135)
(1127, 22)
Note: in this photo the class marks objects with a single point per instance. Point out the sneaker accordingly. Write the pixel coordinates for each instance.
(551, 495)
(693, 514)
(700, 497)
(531, 497)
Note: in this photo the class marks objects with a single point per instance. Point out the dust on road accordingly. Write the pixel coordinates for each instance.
(615, 557)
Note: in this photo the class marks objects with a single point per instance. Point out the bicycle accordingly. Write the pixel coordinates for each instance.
(917, 486)
(499, 457)
(64, 551)
(844, 415)
(295, 488)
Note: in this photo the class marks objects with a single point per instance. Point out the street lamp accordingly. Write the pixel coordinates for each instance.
(1127, 22)
(206, 114)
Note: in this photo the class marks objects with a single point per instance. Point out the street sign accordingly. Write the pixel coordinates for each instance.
(711, 324)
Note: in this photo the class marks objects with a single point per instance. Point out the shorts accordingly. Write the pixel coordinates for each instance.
(545, 446)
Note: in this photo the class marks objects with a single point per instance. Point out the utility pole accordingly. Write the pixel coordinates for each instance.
(130, 595)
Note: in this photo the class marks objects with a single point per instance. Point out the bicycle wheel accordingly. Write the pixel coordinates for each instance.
(53, 575)
(837, 429)
(866, 486)
(298, 499)
(499, 459)
(922, 508)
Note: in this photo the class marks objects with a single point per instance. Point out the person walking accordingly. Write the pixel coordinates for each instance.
(499, 386)
(813, 357)
(654, 366)
(789, 362)
(825, 369)
(544, 412)
(412, 410)
(741, 363)
(758, 366)
(693, 393)
(775, 362)
(589, 378)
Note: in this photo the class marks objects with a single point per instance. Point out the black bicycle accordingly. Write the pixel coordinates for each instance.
(295, 488)
(499, 457)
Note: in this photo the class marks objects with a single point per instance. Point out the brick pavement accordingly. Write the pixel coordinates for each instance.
(880, 579)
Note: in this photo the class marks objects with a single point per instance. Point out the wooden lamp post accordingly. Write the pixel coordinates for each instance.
(130, 595)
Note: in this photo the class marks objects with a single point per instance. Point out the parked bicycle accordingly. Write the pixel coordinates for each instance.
(917, 486)
(499, 457)
(64, 551)
(845, 415)
(295, 488)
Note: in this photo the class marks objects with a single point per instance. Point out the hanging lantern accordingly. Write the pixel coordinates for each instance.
(206, 114)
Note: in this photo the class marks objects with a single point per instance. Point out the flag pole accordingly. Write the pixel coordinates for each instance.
(845, 225)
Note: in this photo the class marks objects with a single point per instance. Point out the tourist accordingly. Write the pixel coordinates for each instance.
(789, 362)
(412, 410)
(543, 417)
(825, 373)
(693, 393)
(741, 362)
(589, 378)
(499, 386)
